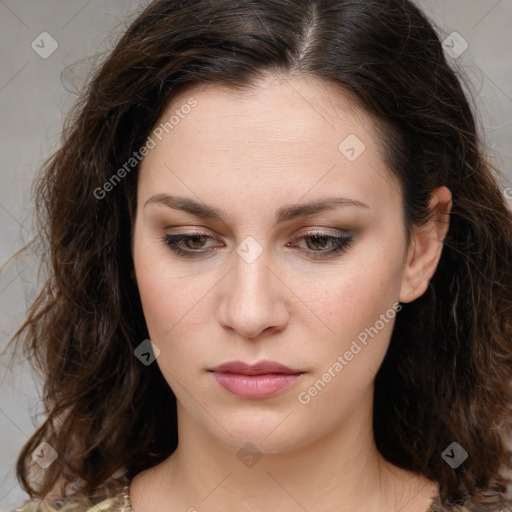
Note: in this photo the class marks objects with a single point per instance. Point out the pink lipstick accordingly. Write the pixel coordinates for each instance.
(261, 380)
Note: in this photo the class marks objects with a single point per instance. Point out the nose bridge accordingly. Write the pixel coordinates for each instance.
(251, 301)
(251, 289)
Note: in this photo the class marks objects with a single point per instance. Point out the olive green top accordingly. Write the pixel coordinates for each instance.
(120, 502)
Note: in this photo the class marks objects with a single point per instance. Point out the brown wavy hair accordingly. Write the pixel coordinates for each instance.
(446, 376)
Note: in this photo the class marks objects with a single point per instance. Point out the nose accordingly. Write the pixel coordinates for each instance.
(253, 299)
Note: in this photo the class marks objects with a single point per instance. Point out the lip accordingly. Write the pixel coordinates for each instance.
(260, 368)
(260, 380)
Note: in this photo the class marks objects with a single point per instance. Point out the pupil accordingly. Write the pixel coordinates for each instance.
(194, 239)
(315, 239)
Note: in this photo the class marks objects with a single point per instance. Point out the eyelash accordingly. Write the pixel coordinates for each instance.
(340, 242)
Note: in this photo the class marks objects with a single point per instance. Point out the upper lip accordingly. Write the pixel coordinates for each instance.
(259, 368)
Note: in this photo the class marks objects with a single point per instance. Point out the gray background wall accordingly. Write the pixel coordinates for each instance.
(33, 101)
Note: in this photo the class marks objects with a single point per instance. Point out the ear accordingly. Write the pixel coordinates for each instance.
(426, 246)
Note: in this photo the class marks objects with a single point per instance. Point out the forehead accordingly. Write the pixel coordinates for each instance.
(285, 104)
(281, 131)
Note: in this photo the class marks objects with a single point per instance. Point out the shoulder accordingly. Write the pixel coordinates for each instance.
(118, 502)
(465, 509)
(438, 507)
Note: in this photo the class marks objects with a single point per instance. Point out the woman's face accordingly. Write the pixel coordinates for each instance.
(265, 278)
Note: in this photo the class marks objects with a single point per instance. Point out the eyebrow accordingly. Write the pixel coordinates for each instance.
(282, 214)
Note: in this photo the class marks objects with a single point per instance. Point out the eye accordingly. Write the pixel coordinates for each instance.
(319, 240)
(191, 245)
(192, 242)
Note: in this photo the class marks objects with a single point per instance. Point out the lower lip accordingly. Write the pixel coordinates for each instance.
(255, 386)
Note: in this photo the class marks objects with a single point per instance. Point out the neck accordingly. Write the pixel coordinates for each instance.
(340, 470)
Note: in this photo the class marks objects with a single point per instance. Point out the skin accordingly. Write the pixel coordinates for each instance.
(250, 153)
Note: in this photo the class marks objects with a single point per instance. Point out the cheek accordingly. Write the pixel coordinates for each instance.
(354, 297)
(177, 308)
(171, 303)
(166, 295)
(169, 310)
(359, 306)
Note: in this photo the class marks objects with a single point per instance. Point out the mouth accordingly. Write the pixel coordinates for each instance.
(261, 380)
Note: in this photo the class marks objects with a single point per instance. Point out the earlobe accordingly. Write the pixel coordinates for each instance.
(426, 247)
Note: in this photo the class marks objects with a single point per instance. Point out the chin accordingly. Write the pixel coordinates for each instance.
(268, 433)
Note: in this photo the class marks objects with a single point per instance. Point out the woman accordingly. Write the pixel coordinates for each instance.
(279, 272)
